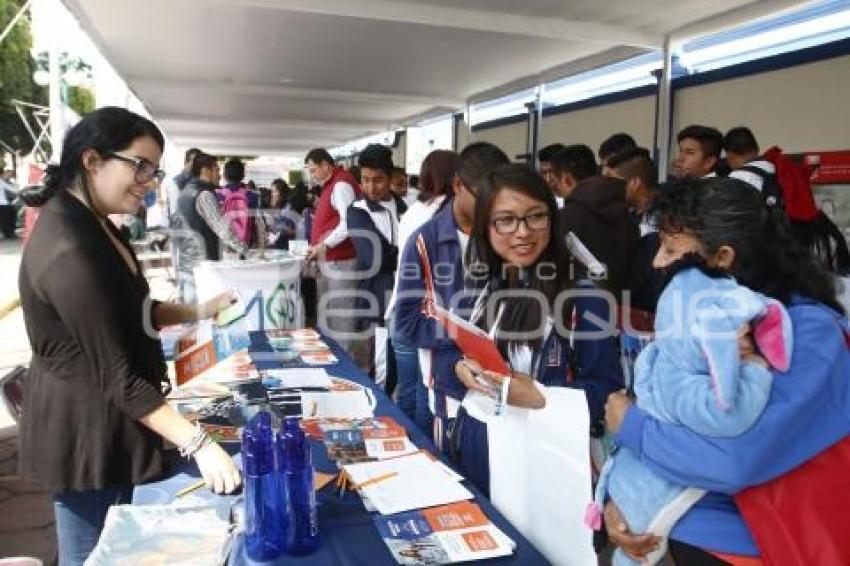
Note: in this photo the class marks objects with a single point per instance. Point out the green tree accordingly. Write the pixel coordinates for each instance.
(80, 99)
(16, 69)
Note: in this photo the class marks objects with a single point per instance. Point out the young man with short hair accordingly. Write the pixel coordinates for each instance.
(445, 238)
(173, 186)
(200, 228)
(544, 159)
(570, 166)
(595, 211)
(636, 168)
(613, 145)
(699, 152)
(743, 156)
(330, 245)
(400, 189)
(373, 227)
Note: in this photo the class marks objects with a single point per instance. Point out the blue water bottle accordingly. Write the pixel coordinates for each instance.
(265, 518)
(294, 449)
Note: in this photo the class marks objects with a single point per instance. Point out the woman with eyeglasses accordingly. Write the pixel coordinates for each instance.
(519, 256)
(94, 415)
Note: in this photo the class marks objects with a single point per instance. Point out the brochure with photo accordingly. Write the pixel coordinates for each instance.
(459, 532)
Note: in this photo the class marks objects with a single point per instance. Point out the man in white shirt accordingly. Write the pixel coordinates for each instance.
(373, 224)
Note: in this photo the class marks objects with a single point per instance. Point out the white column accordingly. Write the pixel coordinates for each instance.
(535, 122)
(664, 112)
(57, 115)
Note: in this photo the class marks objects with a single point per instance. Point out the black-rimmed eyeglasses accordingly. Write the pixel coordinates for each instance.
(145, 170)
(535, 221)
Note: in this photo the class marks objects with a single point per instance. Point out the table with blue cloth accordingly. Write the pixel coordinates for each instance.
(348, 534)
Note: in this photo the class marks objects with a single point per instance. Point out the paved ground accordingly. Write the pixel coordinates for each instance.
(26, 514)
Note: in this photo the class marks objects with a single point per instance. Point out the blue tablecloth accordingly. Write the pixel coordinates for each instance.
(348, 534)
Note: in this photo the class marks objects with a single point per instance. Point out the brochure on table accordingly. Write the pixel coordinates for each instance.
(406, 483)
(447, 534)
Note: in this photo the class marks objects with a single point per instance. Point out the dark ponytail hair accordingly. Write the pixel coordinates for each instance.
(520, 314)
(727, 212)
(105, 130)
(826, 242)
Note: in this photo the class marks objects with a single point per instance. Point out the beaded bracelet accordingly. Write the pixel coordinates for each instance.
(198, 441)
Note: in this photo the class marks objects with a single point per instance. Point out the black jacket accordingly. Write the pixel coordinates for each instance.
(186, 206)
(94, 370)
(596, 212)
(363, 215)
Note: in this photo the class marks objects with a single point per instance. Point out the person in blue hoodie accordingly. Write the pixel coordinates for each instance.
(692, 374)
(727, 223)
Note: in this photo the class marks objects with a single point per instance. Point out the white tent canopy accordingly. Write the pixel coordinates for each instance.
(281, 76)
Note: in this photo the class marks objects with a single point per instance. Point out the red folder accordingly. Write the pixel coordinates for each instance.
(472, 341)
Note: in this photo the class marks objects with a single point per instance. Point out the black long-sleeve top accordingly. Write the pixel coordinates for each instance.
(95, 370)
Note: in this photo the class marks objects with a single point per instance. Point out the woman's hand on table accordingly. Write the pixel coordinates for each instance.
(217, 304)
(616, 408)
(218, 469)
(635, 546)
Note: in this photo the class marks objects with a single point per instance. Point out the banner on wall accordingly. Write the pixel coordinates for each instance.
(830, 167)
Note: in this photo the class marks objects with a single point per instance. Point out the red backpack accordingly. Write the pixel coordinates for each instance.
(795, 184)
(235, 208)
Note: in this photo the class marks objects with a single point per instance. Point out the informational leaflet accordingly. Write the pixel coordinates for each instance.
(406, 483)
(374, 427)
(338, 404)
(447, 534)
(301, 377)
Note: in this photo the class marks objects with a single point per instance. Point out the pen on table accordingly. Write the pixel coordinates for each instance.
(190, 488)
(375, 480)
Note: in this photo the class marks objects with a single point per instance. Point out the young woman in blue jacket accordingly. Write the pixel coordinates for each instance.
(552, 330)
(727, 222)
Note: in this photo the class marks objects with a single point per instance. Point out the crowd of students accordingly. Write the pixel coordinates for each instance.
(493, 242)
(486, 238)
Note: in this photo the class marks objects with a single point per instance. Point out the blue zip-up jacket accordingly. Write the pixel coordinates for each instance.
(445, 255)
(807, 412)
(594, 363)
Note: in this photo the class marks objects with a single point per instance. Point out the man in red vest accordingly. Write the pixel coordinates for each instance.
(331, 247)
